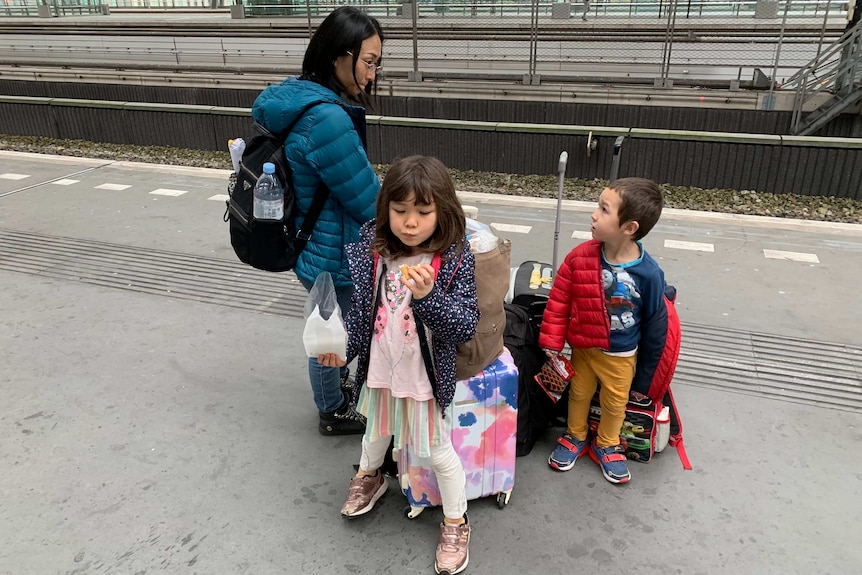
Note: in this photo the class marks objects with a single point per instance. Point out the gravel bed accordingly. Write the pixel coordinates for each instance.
(711, 200)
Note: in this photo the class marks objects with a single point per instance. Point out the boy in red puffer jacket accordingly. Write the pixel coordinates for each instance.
(606, 302)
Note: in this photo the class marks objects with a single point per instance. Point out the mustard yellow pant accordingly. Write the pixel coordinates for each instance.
(615, 373)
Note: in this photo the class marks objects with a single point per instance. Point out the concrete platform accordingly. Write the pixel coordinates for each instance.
(148, 432)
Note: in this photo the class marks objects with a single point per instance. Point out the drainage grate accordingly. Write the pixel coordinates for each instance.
(789, 369)
(799, 370)
(158, 272)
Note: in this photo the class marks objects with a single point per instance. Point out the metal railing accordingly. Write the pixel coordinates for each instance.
(524, 9)
(166, 4)
(52, 8)
(457, 9)
(836, 73)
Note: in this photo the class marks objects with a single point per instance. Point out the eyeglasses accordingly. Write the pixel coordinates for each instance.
(370, 65)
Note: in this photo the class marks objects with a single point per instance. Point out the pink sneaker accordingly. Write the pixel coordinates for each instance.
(363, 494)
(453, 553)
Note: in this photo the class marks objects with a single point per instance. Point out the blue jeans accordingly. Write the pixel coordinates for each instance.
(326, 381)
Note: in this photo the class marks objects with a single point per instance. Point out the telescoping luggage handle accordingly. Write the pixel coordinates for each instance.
(561, 168)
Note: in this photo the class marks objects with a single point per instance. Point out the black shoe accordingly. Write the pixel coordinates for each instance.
(343, 421)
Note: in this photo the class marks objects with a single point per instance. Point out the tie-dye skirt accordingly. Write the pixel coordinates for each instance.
(419, 424)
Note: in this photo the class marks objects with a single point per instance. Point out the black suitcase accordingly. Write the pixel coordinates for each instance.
(530, 287)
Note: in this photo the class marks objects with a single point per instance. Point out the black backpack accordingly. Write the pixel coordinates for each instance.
(265, 244)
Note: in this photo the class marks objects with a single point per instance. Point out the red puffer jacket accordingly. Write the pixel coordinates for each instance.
(576, 307)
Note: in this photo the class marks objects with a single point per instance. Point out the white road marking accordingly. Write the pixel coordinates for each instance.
(11, 176)
(579, 235)
(113, 187)
(219, 198)
(692, 246)
(515, 229)
(168, 192)
(794, 256)
(65, 182)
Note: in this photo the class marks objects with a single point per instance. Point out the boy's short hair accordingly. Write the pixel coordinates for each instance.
(641, 201)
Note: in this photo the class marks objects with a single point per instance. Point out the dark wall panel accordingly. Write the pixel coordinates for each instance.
(91, 124)
(496, 110)
(777, 169)
(826, 171)
(785, 177)
(22, 88)
(477, 150)
(228, 127)
(596, 166)
(813, 167)
(632, 159)
(850, 174)
(745, 172)
(756, 169)
(772, 168)
(395, 106)
(193, 131)
(28, 120)
(772, 158)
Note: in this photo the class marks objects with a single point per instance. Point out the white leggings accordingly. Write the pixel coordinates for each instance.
(445, 463)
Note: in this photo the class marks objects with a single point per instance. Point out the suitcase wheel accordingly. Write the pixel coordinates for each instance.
(503, 498)
(411, 512)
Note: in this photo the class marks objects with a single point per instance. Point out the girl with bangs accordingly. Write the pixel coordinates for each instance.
(414, 301)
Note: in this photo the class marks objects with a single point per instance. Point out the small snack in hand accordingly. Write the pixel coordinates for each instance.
(405, 272)
(555, 375)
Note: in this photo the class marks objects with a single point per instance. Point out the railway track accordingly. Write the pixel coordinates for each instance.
(706, 52)
(611, 30)
(394, 82)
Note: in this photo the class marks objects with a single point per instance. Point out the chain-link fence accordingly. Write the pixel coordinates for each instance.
(705, 43)
(743, 43)
(51, 8)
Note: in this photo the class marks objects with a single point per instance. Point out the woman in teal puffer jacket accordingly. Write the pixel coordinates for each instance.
(327, 146)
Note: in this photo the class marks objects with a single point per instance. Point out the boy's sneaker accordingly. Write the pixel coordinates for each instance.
(363, 494)
(343, 421)
(567, 451)
(612, 460)
(453, 551)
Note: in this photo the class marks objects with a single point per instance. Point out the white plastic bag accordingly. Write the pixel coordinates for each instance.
(324, 330)
(481, 237)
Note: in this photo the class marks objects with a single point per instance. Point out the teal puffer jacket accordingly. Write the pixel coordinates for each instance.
(326, 145)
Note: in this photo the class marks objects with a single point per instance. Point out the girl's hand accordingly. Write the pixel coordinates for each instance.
(330, 360)
(422, 283)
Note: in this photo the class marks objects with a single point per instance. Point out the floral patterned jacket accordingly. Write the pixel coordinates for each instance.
(448, 314)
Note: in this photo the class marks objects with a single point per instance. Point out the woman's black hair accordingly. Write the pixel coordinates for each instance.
(342, 31)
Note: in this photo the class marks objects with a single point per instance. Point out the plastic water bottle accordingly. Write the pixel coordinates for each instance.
(268, 195)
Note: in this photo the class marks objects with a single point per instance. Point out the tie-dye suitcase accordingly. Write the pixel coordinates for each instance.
(484, 431)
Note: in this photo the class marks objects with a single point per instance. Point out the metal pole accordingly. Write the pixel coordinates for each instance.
(308, 14)
(823, 30)
(564, 158)
(534, 38)
(615, 164)
(414, 8)
(770, 103)
(671, 25)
